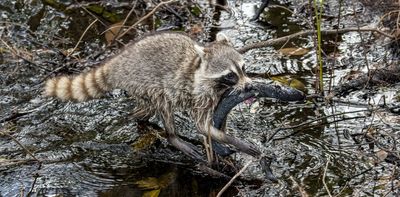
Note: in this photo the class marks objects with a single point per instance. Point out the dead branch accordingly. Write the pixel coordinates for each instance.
(308, 32)
(309, 122)
(323, 178)
(17, 114)
(234, 177)
(15, 162)
(381, 76)
(18, 54)
(83, 34)
(302, 191)
(120, 26)
(212, 172)
(5, 133)
(145, 17)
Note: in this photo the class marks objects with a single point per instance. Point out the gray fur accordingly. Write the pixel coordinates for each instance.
(167, 72)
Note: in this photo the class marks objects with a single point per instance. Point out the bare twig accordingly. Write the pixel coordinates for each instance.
(18, 114)
(15, 162)
(210, 146)
(122, 25)
(293, 14)
(342, 190)
(145, 17)
(234, 177)
(364, 47)
(302, 191)
(311, 121)
(83, 34)
(323, 177)
(19, 144)
(96, 17)
(212, 172)
(332, 70)
(319, 125)
(18, 54)
(308, 32)
(35, 177)
(87, 4)
(387, 15)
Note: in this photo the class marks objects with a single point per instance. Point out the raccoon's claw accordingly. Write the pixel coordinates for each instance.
(250, 149)
(265, 164)
(243, 146)
(221, 150)
(187, 148)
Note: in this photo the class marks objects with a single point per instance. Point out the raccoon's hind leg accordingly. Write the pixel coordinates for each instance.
(169, 126)
(143, 111)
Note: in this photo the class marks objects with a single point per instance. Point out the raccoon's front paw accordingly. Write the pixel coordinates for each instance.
(243, 146)
(189, 149)
(265, 164)
(250, 149)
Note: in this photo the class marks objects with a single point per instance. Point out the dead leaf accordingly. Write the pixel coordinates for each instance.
(149, 183)
(113, 31)
(167, 179)
(196, 29)
(287, 80)
(157, 183)
(381, 155)
(293, 51)
(152, 193)
(294, 83)
(154, 185)
(144, 141)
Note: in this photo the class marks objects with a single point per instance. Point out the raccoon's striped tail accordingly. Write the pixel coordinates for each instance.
(80, 87)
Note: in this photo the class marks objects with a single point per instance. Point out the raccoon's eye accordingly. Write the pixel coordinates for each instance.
(229, 79)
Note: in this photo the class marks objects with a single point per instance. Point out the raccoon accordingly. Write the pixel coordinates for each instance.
(166, 72)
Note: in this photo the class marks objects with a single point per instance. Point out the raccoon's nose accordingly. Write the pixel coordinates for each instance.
(248, 87)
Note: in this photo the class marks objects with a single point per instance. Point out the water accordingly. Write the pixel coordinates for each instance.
(88, 149)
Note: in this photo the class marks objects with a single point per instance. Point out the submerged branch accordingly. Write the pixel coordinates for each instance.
(380, 76)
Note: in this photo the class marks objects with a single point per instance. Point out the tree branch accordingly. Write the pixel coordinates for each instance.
(304, 33)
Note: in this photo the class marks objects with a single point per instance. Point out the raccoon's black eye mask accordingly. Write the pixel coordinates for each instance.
(229, 79)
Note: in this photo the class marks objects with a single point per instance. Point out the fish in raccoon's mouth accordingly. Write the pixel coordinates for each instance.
(256, 89)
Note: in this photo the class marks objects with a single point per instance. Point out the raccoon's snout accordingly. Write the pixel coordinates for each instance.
(248, 87)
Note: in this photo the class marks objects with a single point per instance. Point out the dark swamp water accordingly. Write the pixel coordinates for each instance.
(348, 148)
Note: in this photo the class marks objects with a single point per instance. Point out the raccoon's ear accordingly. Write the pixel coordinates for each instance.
(201, 51)
(222, 38)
